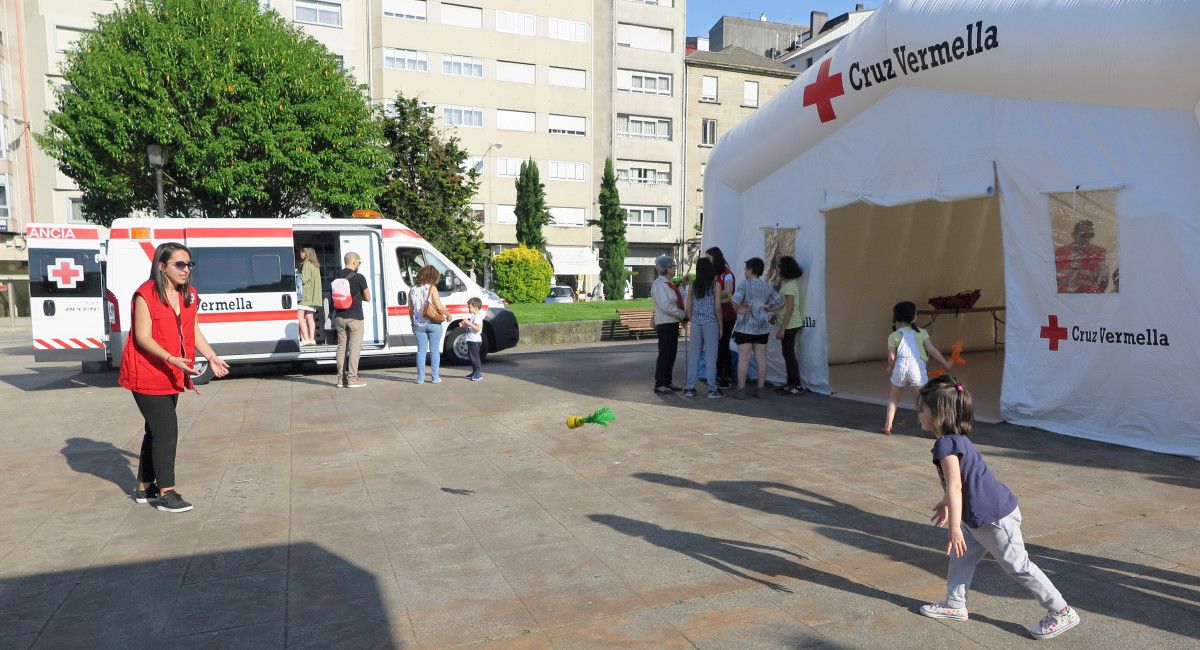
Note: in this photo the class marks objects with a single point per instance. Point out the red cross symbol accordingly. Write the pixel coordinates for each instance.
(67, 274)
(822, 91)
(1054, 332)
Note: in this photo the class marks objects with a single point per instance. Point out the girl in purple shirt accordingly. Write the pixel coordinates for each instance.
(981, 512)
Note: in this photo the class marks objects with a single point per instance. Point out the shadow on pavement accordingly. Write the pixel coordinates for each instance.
(1120, 589)
(60, 378)
(103, 460)
(259, 597)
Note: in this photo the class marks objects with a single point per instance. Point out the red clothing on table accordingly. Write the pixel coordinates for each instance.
(1079, 271)
(144, 373)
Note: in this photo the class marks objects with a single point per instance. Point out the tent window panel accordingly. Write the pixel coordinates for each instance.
(1084, 231)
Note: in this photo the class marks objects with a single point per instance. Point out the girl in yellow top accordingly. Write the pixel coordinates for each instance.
(791, 322)
(909, 349)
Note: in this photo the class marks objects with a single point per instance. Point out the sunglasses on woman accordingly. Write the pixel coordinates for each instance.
(181, 266)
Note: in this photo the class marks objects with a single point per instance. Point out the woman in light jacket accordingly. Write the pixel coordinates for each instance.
(428, 333)
(310, 301)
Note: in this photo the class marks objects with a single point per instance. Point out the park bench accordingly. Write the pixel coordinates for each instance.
(639, 321)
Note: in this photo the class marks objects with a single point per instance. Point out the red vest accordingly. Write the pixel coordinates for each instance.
(144, 373)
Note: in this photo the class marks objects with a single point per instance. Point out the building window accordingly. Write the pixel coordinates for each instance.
(509, 167)
(657, 3)
(522, 73)
(462, 16)
(708, 89)
(568, 125)
(808, 62)
(506, 214)
(708, 132)
(515, 120)
(568, 30)
(646, 83)
(65, 37)
(567, 77)
(477, 212)
(3, 138)
(567, 171)
(314, 12)
(513, 23)
(76, 204)
(407, 9)
(570, 217)
(4, 196)
(645, 38)
(398, 59)
(462, 66)
(637, 126)
(649, 216)
(750, 93)
(644, 172)
(466, 116)
(702, 167)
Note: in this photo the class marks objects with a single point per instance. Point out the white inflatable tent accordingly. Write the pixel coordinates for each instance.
(958, 144)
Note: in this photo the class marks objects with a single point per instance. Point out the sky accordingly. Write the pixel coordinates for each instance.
(701, 14)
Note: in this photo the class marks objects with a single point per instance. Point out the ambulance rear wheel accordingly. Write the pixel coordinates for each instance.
(206, 372)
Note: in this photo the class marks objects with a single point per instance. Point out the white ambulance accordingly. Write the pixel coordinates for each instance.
(82, 282)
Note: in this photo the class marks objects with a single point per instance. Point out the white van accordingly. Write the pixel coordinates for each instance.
(82, 282)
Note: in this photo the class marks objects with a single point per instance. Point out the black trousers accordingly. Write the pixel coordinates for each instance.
(724, 354)
(473, 349)
(668, 345)
(157, 462)
(790, 361)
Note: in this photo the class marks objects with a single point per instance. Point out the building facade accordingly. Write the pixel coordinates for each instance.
(568, 84)
(824, 35)
(723, 88)
(762, 37)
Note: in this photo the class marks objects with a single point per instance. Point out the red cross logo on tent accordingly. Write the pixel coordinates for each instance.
(66, 272)
(822, 91)
(1054, 332)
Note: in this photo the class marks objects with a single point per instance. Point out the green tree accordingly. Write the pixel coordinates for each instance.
(257, 119)
(613, 247)
(426, 185)
(531, 211)
(522, 274)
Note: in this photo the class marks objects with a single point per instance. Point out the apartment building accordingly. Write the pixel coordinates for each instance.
(723, 88)
(639, 54)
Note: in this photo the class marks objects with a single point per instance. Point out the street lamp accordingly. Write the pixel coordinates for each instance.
(158, 158)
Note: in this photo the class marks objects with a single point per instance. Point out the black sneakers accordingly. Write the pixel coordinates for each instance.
(150, 494)
(170, 501)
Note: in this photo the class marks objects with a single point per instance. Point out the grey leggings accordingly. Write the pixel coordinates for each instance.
(704, 338)
(1003, 540)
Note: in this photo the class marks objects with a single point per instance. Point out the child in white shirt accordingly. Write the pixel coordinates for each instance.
(474, 335)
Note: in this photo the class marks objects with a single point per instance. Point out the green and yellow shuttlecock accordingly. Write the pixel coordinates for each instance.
(602, 416)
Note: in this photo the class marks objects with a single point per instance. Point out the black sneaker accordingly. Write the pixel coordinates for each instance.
(689, 392)
(663, 390)
(724, 383)
(715, 394)
(170, 501)
(150, 494)
(675, 388)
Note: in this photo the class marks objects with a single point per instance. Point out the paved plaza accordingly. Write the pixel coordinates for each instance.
(467, 513)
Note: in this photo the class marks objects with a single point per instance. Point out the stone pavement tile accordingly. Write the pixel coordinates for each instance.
(583, 599)
(264, 636)
(829, 598)
(310, 551)
(1188, 559)
(641, 629)
(883, 630)
(1144, 536)
(125, 587)
(526, 640)
(17, 642)
(1079, 551)
(523, 532)
(232, 602)
(767, 630)
(349, 513)
(114, 630)
(1168, 586)
(22, 623)
(378, 632)
(720, 608)
(340, 592)
(893, 570)
(493, 620)
(234, 560)
(37, 583)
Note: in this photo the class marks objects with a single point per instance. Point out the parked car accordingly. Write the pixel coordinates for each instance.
(598, 291)
(560, 294)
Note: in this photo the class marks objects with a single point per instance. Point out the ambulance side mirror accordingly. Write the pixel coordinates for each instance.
(402, 297)
(48, 307)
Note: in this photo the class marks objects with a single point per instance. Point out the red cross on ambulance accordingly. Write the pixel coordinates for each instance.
(66, 273)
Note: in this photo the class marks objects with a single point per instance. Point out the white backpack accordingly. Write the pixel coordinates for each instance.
(341, 294)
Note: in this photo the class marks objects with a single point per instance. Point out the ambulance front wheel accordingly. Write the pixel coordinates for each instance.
(206, 372)
(455, 350)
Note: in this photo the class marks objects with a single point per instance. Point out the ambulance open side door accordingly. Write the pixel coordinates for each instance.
(66, 293)
(368, 245)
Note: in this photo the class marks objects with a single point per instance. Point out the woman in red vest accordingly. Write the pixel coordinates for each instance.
(157, 367)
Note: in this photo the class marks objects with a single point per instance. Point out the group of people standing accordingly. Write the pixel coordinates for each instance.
(720, 308)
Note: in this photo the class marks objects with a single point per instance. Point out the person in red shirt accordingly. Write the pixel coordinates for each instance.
(158, 365)
(1081, 266)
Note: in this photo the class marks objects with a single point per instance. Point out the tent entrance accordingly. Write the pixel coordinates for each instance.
(877, 256)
